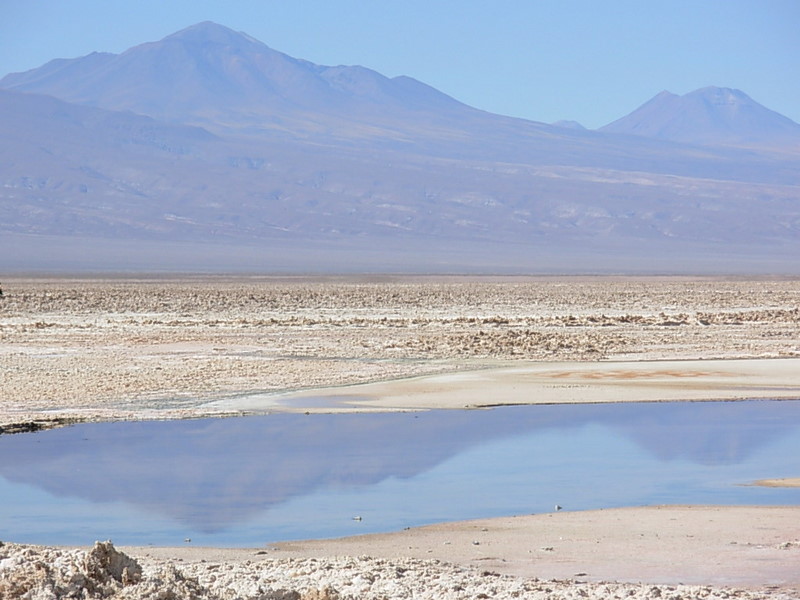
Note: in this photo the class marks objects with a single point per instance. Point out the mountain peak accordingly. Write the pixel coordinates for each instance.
(719, 92)
(664, 94)
(210, 32)
(721, 96)
(709, 115)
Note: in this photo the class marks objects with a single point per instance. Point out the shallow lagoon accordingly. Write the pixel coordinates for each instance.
(254, 480)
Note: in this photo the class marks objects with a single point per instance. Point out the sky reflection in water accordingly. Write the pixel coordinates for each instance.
(254, 480)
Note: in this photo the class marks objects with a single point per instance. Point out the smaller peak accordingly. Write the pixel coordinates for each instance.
(663, 98)
(568, 124)
(664, 95)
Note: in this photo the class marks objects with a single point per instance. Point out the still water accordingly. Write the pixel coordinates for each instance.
(254, 480)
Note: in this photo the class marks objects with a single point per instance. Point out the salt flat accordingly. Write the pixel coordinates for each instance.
(132, 348)
(152, 348)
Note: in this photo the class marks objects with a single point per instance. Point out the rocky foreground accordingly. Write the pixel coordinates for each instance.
(39, 573)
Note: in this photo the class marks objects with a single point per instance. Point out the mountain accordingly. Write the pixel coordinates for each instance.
(710, 115)
(233, 85)
(208, 74)
(209, 151)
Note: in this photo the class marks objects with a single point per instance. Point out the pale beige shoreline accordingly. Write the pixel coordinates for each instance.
(739, 546)
(561, 383)
(521, 384)
(788, 482)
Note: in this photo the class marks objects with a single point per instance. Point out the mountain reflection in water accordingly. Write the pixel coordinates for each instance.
(213, 475)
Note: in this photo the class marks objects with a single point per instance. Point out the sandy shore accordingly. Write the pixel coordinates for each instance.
(658, 545)
(786, 482)
(157, 348)
(560, 383)
(654, 545)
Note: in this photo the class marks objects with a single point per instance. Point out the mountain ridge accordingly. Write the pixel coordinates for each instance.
(207, 72)
(391, 174)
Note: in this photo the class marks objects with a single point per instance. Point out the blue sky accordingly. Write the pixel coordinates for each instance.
(586, 60)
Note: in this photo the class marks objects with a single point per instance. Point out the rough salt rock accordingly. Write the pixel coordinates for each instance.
(104, 563)
(168, 583)
(325, 593)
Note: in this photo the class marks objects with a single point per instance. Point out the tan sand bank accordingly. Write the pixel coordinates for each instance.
(671, 544)
(559, 383)
(787, 482)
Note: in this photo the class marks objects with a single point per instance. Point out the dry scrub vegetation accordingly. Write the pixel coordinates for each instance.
(107, 348)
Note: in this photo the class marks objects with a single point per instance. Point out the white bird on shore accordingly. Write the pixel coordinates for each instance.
(558, 507)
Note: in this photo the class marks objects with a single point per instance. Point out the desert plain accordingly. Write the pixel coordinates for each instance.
(158, 347)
